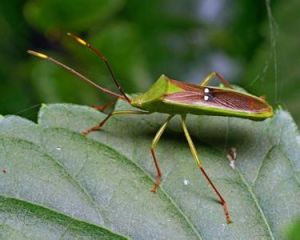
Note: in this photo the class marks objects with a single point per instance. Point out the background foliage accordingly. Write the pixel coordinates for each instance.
(183, 39)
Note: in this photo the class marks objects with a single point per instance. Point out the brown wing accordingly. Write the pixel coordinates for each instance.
(187, 97)
(218, 98)
(238, 101)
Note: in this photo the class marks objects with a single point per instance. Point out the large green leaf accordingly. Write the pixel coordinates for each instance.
(103, 181)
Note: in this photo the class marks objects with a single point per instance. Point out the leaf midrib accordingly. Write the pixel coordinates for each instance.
(86, 193)
(53, 210)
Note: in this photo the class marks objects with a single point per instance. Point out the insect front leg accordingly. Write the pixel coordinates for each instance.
(199, 163)
(213, 75)
(105, 106)
(152, 149)
(101, 124)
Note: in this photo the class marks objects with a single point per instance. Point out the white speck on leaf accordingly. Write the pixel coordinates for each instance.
(231, 164)
(186, 182)
(231, 155)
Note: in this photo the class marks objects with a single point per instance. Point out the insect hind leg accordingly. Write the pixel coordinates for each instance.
(199, 163)
(212, 76)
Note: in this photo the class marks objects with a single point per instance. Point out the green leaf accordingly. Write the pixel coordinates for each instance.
(103, 181)
(293, 231)
(23, 220)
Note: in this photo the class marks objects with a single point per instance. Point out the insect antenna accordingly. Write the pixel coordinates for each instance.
(77, 74)
(103, 58)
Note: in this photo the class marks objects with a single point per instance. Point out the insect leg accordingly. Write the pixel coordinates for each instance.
(152, 149)
(105, 106)
(213, 75)
(199, 163)
(100, 125)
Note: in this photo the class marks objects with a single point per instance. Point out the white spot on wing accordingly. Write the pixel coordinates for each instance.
(206, 90)
(206, 98)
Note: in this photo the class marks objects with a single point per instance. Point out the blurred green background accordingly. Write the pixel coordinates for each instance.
(185, 40)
